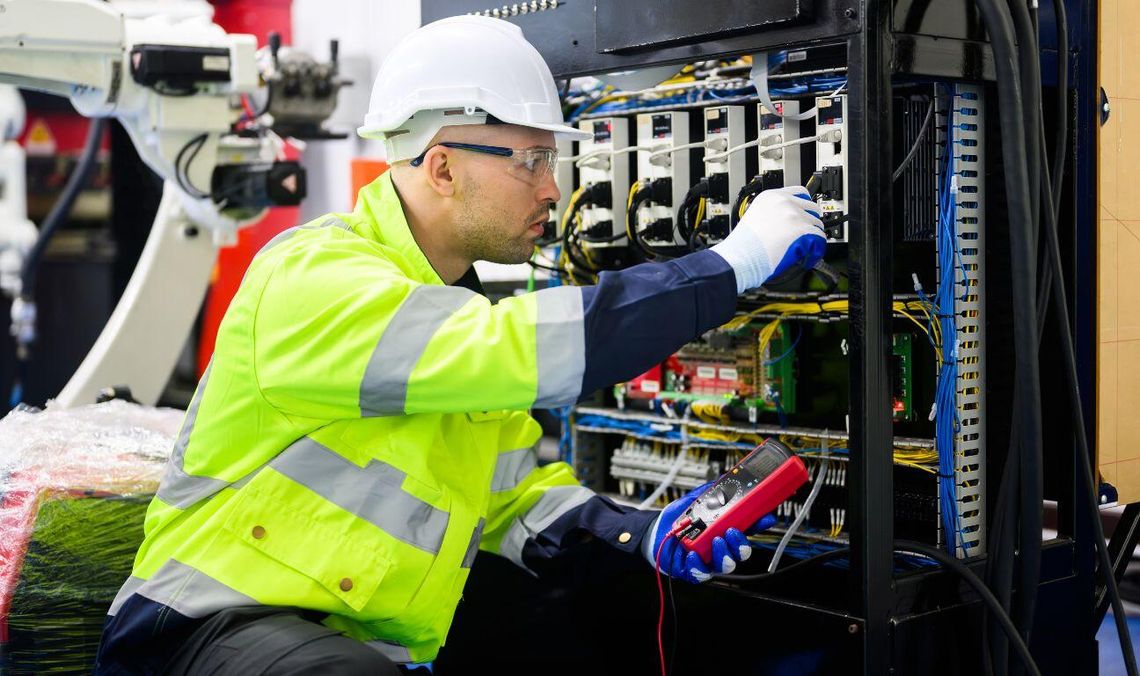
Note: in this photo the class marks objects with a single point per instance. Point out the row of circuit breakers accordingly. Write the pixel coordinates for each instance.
(732, 146)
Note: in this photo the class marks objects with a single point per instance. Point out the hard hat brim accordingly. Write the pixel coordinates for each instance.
(562, 131)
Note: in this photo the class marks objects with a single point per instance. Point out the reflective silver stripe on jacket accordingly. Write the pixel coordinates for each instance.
(179, 489)
(561, 347)
(372, 492)
(289, 232)
(393, 651)
(384, 388)
(511, 468)
(183, 589)
(473, 546)
(125, 592)
(553, 504)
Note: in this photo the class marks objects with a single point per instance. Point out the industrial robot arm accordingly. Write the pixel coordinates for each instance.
(182, 89)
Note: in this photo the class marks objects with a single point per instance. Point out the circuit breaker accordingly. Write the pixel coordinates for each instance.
(662, 168)
(831, 164)
(724, 129)
(603, 166)
(778, 144)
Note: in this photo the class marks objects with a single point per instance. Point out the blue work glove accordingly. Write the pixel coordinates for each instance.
(678, 562)
(780, 230)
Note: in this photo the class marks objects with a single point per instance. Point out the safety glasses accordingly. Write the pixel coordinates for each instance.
(528, 164)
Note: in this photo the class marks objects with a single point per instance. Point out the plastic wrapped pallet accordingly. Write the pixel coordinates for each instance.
(74, 487)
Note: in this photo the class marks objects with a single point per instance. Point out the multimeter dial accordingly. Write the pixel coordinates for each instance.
(716, 500)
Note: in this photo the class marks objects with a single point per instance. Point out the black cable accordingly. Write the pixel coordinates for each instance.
(1032, 472)
(62, 207)
(1061, 20)
(1061, 307)
(640, 197)
(917, 143)
(954, 565)
(998, 22)
(948, 562)
(1060, 147)
(540, 266)
(601, 240)
(818, 558)
(750, 190)
(181, 172)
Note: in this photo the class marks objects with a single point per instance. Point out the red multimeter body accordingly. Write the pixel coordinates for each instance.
(766, 477)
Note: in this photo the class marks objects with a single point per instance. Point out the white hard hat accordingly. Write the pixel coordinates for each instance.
(461, 70)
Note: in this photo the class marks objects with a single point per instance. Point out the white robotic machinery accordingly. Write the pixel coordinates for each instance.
(177, 87)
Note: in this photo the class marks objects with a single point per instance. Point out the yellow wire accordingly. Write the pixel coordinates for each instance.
(629, 205)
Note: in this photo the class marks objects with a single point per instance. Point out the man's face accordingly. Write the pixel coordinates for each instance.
(499, 214)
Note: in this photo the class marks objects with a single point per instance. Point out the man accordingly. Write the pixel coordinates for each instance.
(362, 430)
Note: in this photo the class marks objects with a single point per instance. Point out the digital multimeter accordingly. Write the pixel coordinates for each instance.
(766, 477)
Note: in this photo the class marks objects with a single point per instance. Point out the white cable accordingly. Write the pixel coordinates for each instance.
(675, 149)
(586, 160)
(682, 456)
(759, 77)
(719, 157)
(824, 465)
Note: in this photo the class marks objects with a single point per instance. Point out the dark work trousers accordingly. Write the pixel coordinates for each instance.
(260, 640)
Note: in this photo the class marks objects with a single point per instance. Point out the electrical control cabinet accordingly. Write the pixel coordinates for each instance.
(889, 367)
(663, 163)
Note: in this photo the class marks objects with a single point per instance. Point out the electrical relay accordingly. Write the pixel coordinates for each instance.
(724, 129)
(603, 160)
(831, 164)
(663, 171)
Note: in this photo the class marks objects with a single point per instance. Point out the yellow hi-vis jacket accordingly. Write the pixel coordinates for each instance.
(360, 434)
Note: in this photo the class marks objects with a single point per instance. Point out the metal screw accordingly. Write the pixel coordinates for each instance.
(852, 628)
(849, 13)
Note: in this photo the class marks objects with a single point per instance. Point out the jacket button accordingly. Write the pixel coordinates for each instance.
(346, 585)
(624, 538)
(258, 532)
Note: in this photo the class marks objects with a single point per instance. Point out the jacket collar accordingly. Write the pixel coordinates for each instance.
(380, 218)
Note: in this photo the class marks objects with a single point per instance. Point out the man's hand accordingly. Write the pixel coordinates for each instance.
(780, 229)
(678, 562)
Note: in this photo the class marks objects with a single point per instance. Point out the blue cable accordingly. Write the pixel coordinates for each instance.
(947, 422)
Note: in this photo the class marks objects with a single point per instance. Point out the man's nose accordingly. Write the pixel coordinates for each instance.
(548, 188)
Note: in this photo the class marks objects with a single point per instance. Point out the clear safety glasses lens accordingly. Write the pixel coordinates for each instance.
(533, 164)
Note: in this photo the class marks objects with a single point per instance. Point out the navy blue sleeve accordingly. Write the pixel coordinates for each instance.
(637, 317)
(596, 538)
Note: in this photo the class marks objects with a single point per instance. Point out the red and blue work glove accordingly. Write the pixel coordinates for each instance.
(678, 562)
(780, 230)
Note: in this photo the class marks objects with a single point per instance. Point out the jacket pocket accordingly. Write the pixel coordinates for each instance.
(313, 537)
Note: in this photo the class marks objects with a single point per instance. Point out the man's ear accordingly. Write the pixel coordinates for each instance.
(440, 171)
